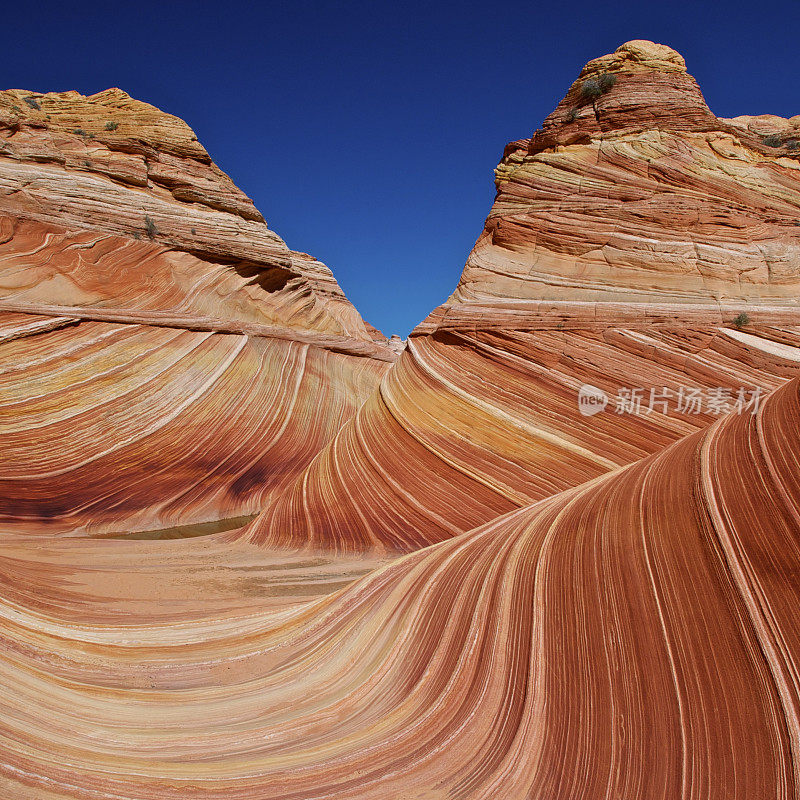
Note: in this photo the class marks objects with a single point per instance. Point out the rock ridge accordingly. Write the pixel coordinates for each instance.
(109, 164)
(632, 190)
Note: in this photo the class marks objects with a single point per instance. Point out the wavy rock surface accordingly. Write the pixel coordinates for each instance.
(185, 360)
(624, 242)
(634, 637)
(594, 607)
(473, 423)
(159, 426)
(641, 194)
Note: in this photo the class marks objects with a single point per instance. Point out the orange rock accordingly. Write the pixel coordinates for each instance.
(640, 194)
(629, 637)
(185, 360)
(599, 603)
(620, 250)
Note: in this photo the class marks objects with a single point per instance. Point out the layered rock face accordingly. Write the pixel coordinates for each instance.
(634, 191)
(184, 359)
(549, 552)
(634, 637)
(107, 201)
(625, 241)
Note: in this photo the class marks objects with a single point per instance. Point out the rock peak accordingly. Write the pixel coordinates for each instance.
(641, 85)
(638, 55)
(109, 166)
(634, 191)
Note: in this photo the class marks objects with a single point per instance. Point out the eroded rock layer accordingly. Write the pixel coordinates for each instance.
(159, 426)
(184, 360)
(573, 648)
(589, 456)
(637, 244)
(473, 423)
(633, 190)
(77, 173)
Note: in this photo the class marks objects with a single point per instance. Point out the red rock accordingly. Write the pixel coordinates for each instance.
(620, 250)
(624, 638)
(597, 606)
(184, 358)
(644, 197)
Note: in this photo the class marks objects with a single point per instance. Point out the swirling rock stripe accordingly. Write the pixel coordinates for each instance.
(633, 637)
(107, 427)
(470, 424)
(43, 264)
(645, 215)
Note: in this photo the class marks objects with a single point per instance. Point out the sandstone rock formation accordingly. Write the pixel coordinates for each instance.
(635, 637)
(639, 193)
(622, 246)
(131, 190)
(461, 583)
(184, 359)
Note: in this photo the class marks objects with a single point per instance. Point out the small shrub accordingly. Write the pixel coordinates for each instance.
(33, 103)
(572, 115)
(741, 320)
(793, 144)
(16, 109)
(79, 132)
(150, 227)
(112, 126)
(590, 89)
(772, 141)
(607, 81)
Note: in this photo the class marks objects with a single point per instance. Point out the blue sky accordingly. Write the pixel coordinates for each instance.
(367, 132)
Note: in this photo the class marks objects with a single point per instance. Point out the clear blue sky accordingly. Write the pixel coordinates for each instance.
(367, 132)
